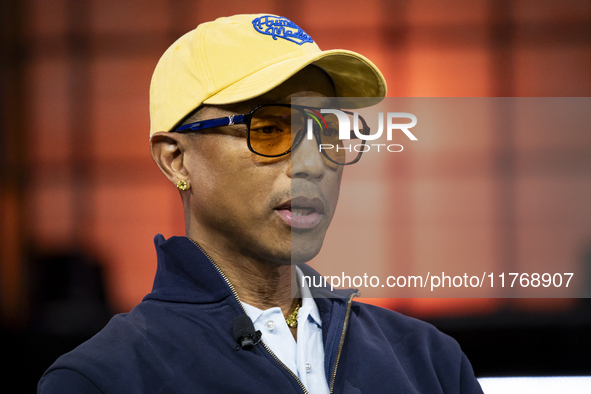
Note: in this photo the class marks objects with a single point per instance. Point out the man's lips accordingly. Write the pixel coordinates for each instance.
(302, 212)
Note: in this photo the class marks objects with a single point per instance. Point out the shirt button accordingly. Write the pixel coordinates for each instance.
(270, 325)
(308, 367)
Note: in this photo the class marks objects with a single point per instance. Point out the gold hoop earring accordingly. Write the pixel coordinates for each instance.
(182, 185)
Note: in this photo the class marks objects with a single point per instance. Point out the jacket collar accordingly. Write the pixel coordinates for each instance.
(186, 274)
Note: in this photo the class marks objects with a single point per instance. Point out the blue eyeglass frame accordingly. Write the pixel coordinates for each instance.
(246, 118)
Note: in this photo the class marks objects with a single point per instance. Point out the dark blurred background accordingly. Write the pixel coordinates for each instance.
(81, 199)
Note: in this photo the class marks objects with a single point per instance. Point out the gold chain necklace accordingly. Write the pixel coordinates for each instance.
(292, 320)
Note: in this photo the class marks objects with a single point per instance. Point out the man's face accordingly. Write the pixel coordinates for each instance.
(271, 209)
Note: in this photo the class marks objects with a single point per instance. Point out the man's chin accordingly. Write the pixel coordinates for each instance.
(294, 256)
(297, 249)
(304, 251)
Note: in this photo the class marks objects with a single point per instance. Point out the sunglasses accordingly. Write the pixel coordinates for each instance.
(274, 130)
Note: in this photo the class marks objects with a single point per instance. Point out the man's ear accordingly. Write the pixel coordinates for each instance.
(168, 152)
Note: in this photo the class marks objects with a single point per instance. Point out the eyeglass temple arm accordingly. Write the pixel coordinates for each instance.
(218, 122)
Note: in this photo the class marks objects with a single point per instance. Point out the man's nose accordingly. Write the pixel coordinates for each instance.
(307, 161)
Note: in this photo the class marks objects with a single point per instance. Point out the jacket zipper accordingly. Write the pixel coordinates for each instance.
(243, 311)
(342, 340)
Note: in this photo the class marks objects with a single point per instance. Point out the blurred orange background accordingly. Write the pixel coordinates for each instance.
(76, 170)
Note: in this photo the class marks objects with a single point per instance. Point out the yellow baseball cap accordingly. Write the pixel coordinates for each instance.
(244, 56)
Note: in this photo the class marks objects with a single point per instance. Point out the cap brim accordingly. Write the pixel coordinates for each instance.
(353, 76)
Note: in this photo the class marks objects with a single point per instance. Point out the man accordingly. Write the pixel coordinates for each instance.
(257, 198)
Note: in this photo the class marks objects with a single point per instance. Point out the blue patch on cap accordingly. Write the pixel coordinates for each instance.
(278, 26)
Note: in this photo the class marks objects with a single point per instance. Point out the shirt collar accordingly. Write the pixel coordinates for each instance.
(308, 303)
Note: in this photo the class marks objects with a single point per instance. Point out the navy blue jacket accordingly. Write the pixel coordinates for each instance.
(179, 340)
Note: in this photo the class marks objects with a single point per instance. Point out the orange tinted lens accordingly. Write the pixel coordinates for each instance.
(345, 150)
(270, 129)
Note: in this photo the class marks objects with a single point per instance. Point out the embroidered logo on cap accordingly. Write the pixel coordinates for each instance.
(278, 26)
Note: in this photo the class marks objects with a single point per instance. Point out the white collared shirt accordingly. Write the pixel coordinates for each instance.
(305, 358)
